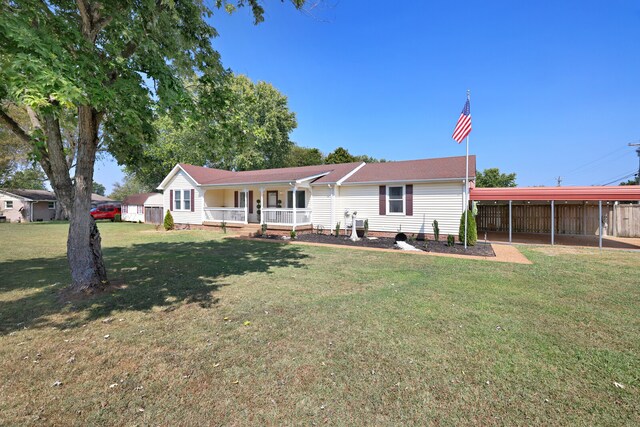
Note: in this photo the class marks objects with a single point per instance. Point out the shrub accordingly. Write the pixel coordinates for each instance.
(366, 227)
(279, 204)
(451, 240)
(263, 228)
(338, 229)
(436, 230)
(168, 221)
(258, 209)
(292, 234)
(319, 229)
(117, 218)
(223, 225)
(472, 231)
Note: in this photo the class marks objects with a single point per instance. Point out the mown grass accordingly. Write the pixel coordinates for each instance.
(219, 331)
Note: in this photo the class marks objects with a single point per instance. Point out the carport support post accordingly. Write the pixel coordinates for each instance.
(553, 223)
(509, 221)
(600, 224)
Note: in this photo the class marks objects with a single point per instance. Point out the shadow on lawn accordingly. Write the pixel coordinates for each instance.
(153, 274)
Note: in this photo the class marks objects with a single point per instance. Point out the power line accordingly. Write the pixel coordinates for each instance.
(629, 175)
(599, 159)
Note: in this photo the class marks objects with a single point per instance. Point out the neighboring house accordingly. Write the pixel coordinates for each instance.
(30, 205)
(27, 205)
(97, 199)
(143, 207)
(394, 196)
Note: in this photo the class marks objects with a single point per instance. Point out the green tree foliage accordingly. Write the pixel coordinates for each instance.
(32, 178)
(339, 155)
(303, 156)
(99, 188)
(635, 181)
(472, 230)
(110, 65)
(129, 185)
(493, 178)
(342, 155)
(250, 131)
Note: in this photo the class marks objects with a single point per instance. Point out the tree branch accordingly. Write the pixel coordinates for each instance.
(35, 122)
(14, 127)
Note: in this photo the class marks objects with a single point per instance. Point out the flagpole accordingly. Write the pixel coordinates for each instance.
(466, 184)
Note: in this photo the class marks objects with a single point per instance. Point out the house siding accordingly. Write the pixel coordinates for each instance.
(182, 182)
(130, 213)
(320, 205)
(41, 211)
(13, 214)
(440, 201)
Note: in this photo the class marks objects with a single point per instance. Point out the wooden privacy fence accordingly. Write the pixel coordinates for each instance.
(153, 215)
(569, 218)
(626, 221)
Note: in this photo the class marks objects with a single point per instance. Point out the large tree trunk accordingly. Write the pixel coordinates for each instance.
(84, 250)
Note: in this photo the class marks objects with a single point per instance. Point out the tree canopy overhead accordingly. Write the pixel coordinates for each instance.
(109, 66)
(493, 178)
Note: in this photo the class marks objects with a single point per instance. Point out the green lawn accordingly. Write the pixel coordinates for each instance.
(206, 330)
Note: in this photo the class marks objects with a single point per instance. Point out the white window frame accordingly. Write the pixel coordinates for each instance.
(404, 200)
(51, 205)
(184, 196)
(242, 199)
(6, 204)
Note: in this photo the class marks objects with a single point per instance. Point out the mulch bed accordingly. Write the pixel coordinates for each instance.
(480, 249)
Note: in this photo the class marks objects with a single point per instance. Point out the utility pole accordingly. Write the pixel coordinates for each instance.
(559, 179)
(637, 144)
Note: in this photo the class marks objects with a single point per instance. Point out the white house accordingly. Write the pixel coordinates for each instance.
(394, 196)
(143, 207)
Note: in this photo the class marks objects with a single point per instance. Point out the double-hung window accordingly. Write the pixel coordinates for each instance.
(177, 200)
(300, 199)
(182, 200)
(52, 205)
(8, 204)
(395, 200)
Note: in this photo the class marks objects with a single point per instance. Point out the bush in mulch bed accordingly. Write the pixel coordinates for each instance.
(389, 243)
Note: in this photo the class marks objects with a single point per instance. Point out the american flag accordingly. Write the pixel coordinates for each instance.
(463, 127)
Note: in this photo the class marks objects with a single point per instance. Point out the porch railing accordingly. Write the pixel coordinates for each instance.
(285, 216)
(225, 214)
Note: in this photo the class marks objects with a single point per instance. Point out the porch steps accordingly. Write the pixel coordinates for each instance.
(248, 229)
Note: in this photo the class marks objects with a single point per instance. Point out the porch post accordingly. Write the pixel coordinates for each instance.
(262, 205)
(246, 206)
(553, 224)
(294, 207)
(509, 221)
(600, 224)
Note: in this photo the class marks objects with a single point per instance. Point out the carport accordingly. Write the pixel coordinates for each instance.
(567, 214)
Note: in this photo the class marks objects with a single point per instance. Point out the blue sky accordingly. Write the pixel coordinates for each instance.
(554, 85)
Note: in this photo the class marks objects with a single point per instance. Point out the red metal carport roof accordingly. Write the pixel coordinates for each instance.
(595, 193)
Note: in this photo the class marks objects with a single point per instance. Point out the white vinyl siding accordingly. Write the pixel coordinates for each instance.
(441, 201)
(132, 213)
(181, 181)
(320, 205)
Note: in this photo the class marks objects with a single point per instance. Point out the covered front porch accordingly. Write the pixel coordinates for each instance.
(282, 206)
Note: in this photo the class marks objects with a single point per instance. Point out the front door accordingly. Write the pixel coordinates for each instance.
(272, 199)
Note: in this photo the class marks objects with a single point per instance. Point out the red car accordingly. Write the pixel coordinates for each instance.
(105, 211)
